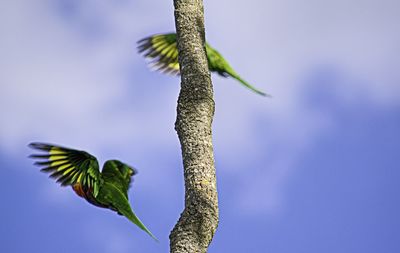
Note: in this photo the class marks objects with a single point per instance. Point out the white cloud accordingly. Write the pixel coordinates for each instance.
(74, 79)
(58, 86)
(283, 39)
(282, 44)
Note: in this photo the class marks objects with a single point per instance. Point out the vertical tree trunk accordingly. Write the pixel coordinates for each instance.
(199, 220)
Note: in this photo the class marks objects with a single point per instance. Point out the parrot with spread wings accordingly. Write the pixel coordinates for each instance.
(80, 170)
(162, 49)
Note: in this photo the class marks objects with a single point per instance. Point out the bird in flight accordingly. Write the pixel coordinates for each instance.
(162, 50)
(80, 170)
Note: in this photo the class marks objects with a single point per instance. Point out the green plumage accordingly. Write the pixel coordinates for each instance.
(80, 170)
(162, 49)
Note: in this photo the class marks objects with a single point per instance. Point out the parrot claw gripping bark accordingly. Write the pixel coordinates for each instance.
(80, 170)
(162, 49)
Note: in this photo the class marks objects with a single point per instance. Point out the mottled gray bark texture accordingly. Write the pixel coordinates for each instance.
(199, 220)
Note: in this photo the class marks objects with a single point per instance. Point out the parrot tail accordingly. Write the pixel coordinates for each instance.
(233, 74)
(135, 220)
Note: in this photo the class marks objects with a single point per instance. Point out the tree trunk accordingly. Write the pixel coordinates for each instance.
(199, 220)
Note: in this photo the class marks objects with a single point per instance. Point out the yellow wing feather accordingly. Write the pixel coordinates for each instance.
(68, 166)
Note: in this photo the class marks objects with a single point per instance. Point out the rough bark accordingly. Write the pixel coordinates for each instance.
(199, 220)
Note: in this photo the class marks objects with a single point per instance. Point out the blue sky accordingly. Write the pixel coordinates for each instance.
(314, 169)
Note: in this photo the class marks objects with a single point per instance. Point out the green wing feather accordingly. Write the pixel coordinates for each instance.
(163, 52)
(68, 166)
(120, 174)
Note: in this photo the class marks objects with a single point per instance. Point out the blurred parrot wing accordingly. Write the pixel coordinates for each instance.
(120, 174)
(68, 166)
(162, 50)
(114, 197)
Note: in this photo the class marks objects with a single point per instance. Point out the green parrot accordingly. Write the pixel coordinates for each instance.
(162, 49)
(79, 169)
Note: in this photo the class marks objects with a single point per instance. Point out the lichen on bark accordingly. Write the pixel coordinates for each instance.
(195, 111)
